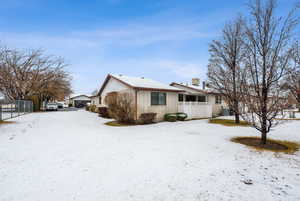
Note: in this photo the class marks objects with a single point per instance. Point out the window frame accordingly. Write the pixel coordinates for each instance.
(180, 97)
(198, 99)
(218, 99)
(188, 98)
(158, 103)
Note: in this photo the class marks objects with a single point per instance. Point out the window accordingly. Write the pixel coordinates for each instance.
(180, 97)
(218, 99)
(158, 98)
(201, 98)
(190, 98)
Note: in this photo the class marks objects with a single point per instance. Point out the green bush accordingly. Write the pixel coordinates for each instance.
(170, 117)
(87, 108)
(181, 116)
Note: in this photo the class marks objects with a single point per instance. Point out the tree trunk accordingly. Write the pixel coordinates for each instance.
(264, 128)
(263, 137)
(237, 118)
(236, 112)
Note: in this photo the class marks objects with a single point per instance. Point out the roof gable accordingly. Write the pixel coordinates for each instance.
(139, 83)
(76, 96)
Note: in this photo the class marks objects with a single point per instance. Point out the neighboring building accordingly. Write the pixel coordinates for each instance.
(95, 100)
(199, 102)
(1, 96)
(78, 101)
(148, 95)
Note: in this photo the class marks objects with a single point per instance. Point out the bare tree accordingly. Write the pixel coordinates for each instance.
(28, 74)
(268, 56)
(224, 69)
(293, 80)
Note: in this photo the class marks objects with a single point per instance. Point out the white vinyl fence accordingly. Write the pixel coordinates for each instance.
(11, 109)
(195, 109)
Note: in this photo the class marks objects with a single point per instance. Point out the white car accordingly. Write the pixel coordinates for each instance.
(51, 107)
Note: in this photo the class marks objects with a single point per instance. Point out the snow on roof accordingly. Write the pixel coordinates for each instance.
(141, 82)
(77, 95)
(197, 88)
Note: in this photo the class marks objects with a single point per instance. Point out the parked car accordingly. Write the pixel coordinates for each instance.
(51, 107)
(60, 105)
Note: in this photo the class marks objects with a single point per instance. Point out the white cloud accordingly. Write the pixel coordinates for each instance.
(87, 50)
(184, 70)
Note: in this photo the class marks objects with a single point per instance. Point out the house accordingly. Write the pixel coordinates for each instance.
(95, 100)
(148, 95)
(199, 102)
(153, 96)
(78, 100)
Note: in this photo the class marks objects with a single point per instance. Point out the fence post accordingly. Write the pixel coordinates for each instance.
(18, 108)
(0, 112)
(11, 114)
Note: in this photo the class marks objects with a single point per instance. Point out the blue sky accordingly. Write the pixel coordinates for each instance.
(166, 40)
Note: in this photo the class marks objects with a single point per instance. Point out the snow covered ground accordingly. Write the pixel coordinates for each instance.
(68, 156)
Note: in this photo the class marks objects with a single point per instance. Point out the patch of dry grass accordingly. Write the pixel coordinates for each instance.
(195, 119)
(7, 122)
(287, 119)
(118, 124)
(272, 144)
(228, 122)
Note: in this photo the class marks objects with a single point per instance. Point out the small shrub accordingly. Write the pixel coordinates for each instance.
(120, 106)
(147, 118)
(103, 112)
(181, 116)
(87, 108)
(170, 117)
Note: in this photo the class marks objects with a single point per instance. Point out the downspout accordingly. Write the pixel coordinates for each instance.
(136, 112)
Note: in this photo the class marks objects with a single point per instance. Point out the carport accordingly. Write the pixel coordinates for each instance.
(79, 101)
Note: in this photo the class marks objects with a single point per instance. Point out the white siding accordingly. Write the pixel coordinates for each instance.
(95, 101)
(144, 104)
(216, 108)
(195, 109)
(114, 85)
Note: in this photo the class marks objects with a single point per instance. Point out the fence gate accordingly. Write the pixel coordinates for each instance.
(11, 109)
